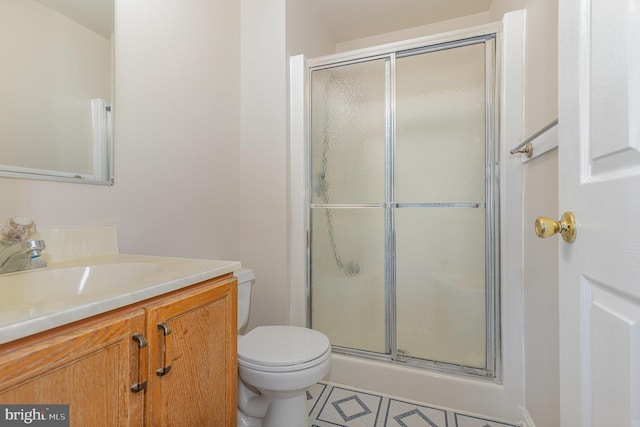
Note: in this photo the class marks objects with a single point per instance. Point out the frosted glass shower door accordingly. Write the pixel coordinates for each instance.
(402, 206)
(348, 134)
(440, 215)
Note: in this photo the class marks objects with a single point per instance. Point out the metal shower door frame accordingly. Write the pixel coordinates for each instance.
(492, 203)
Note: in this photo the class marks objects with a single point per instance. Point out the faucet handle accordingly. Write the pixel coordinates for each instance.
(18, 229)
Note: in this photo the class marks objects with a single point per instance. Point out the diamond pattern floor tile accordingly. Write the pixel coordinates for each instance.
(332, 405)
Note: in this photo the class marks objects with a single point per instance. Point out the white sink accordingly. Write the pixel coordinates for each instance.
(42, 286)
(37, 300)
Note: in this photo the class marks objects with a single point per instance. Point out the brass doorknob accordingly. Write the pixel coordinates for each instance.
(546, 227)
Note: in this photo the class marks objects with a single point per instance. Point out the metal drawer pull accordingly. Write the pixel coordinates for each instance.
(142, 363)
(166, 349)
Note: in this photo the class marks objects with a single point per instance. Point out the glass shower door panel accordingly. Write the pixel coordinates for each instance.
(440, 285)
(440, 126)
(348, 133)
(347, 277)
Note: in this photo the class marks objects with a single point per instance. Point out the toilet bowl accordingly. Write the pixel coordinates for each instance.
(276, 365)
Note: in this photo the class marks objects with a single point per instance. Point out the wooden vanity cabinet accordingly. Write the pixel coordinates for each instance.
(193, 375)
(90, 368)
(189, 362)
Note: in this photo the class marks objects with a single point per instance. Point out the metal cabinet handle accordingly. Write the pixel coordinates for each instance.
(546, 227)
(143, 354)
(166, 349)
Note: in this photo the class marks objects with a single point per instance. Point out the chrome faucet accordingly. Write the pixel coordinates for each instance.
(21, 256)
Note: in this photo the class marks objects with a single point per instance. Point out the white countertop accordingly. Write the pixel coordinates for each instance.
(38, 300)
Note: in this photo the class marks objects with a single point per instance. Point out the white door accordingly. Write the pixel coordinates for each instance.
(599, 160)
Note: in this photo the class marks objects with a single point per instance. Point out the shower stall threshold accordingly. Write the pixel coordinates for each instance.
(410, 361)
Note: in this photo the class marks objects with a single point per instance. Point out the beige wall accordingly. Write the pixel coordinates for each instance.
(421, 31)
(305, 34)
(498, 8)
(495, 13)
(542, 392)
(541, 376)
(541, 65)
(272, 30)
(177, 137)
(263, 195)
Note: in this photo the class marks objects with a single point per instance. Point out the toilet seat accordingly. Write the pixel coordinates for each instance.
(282, 349)
(284, 368)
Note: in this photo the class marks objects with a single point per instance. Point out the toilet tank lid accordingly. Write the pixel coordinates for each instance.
(244, 275)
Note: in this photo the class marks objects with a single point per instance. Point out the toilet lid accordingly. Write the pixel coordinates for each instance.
(281, 345)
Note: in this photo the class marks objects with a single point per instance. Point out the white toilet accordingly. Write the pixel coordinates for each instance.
(276, 366)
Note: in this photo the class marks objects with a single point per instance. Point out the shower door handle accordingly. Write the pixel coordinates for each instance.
(547, 227)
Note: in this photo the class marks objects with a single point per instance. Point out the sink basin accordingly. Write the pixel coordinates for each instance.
(37, 300)
(87, 280)
(49, 285)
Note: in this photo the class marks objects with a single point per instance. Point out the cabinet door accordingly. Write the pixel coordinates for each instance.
(193, 337)
(90, 367)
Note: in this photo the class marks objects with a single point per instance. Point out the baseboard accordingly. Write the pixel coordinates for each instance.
(526, 419)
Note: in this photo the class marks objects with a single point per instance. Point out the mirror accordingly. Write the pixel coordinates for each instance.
(56, 90)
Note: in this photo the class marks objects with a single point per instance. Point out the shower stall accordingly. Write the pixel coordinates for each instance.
(403, 205)
(406, 215)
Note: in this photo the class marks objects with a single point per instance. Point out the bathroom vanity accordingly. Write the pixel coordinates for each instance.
(119, 368)
(160, 350)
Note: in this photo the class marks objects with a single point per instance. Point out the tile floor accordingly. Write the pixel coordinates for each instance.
(333, 405)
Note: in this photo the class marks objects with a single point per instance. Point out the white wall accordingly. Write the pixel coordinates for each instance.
(177, 136)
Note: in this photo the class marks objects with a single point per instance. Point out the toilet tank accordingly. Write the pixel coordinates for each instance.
(245, 279)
